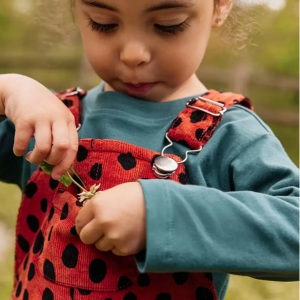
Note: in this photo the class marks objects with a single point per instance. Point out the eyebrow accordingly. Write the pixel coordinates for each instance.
(165, 5)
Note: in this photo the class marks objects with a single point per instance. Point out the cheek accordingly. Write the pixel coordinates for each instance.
(99, 55)
(188, 57)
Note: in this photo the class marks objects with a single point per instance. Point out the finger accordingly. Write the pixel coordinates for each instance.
(116, 251)
(91, 232)
(60, 140)
(104, 244)
(23, 134)
(68, 160)
(85, 216)
(43, 140)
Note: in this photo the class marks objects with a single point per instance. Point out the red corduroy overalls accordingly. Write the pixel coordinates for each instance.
(51, 261)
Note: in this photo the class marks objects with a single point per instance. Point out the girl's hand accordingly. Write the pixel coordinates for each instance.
(36, 112)
(115, 220)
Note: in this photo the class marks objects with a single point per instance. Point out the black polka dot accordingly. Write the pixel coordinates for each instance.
(124, 282)
(143, 280)
(200, 133)
(25, 262)
(96, 171)
(65, 212)
(25, 295)
(73, 231)
(204, 293)
(176, 122)
(31, 272)
(39, 241)
(33, 223)
(97, 270)
(76, 179)
(42, 249)
(50, 232)
(180, 277)
(17, 277)
(61, 190)
(182, 178)
(44, 205)
(84, 292)
(51, 213)
(70, 256)
(53, 183)
(22, 242)
(19, 289)
(49, 271)
(82, 153)
(30, 190)
(68, 103)
(127, 161)
(79, 204)
(184, 143)
(130, 296)
(164, 296)
(209, 276)
(72, 293)
(47, 295)
(198, 116)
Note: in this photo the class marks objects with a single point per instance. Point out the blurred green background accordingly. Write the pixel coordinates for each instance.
(267, 72)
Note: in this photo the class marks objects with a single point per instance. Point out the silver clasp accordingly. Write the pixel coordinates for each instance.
(210, 101)
(164, 167)
(76, 92)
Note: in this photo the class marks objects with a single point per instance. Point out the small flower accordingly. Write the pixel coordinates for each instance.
(87, 195)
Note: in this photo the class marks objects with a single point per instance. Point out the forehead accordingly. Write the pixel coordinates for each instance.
(146, 6)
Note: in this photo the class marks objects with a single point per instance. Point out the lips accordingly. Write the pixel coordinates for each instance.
(140, 88)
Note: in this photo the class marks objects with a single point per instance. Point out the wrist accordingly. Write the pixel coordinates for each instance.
(9, 85)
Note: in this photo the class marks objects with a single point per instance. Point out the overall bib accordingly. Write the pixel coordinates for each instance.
(52, 263)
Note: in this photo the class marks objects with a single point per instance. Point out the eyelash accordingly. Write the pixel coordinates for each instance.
(169, 30)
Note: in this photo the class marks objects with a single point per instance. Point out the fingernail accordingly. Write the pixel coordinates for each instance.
(55, 177)
(27, 156)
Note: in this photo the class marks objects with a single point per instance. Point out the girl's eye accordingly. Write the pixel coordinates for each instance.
(102, 27)
(174, 29)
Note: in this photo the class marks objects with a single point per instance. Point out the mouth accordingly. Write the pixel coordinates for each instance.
(140, 88)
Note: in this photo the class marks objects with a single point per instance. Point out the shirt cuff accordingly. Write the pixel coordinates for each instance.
(158, 219)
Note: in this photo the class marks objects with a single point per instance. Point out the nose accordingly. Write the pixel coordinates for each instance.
(134, 53)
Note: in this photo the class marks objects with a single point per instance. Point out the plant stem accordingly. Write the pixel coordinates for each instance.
(76, 183)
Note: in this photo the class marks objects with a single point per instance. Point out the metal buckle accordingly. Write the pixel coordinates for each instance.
(76, 92)
(210, 101)
(186, 153)
(164, 166)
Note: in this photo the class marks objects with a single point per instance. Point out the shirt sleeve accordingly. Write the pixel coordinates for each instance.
(10, 164)
(252, 230)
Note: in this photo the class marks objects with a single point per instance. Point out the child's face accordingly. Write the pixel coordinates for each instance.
(142, 41)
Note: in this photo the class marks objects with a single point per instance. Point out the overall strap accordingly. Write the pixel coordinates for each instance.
(195, 124)
(72, 99)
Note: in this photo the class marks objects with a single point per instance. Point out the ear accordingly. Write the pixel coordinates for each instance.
(222, 10)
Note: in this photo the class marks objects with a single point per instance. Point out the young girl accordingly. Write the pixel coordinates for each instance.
(191, 189)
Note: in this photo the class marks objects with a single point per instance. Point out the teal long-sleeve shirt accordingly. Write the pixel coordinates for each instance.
(239, 214)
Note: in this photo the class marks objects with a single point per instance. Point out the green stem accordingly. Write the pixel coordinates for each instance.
(76, 183)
